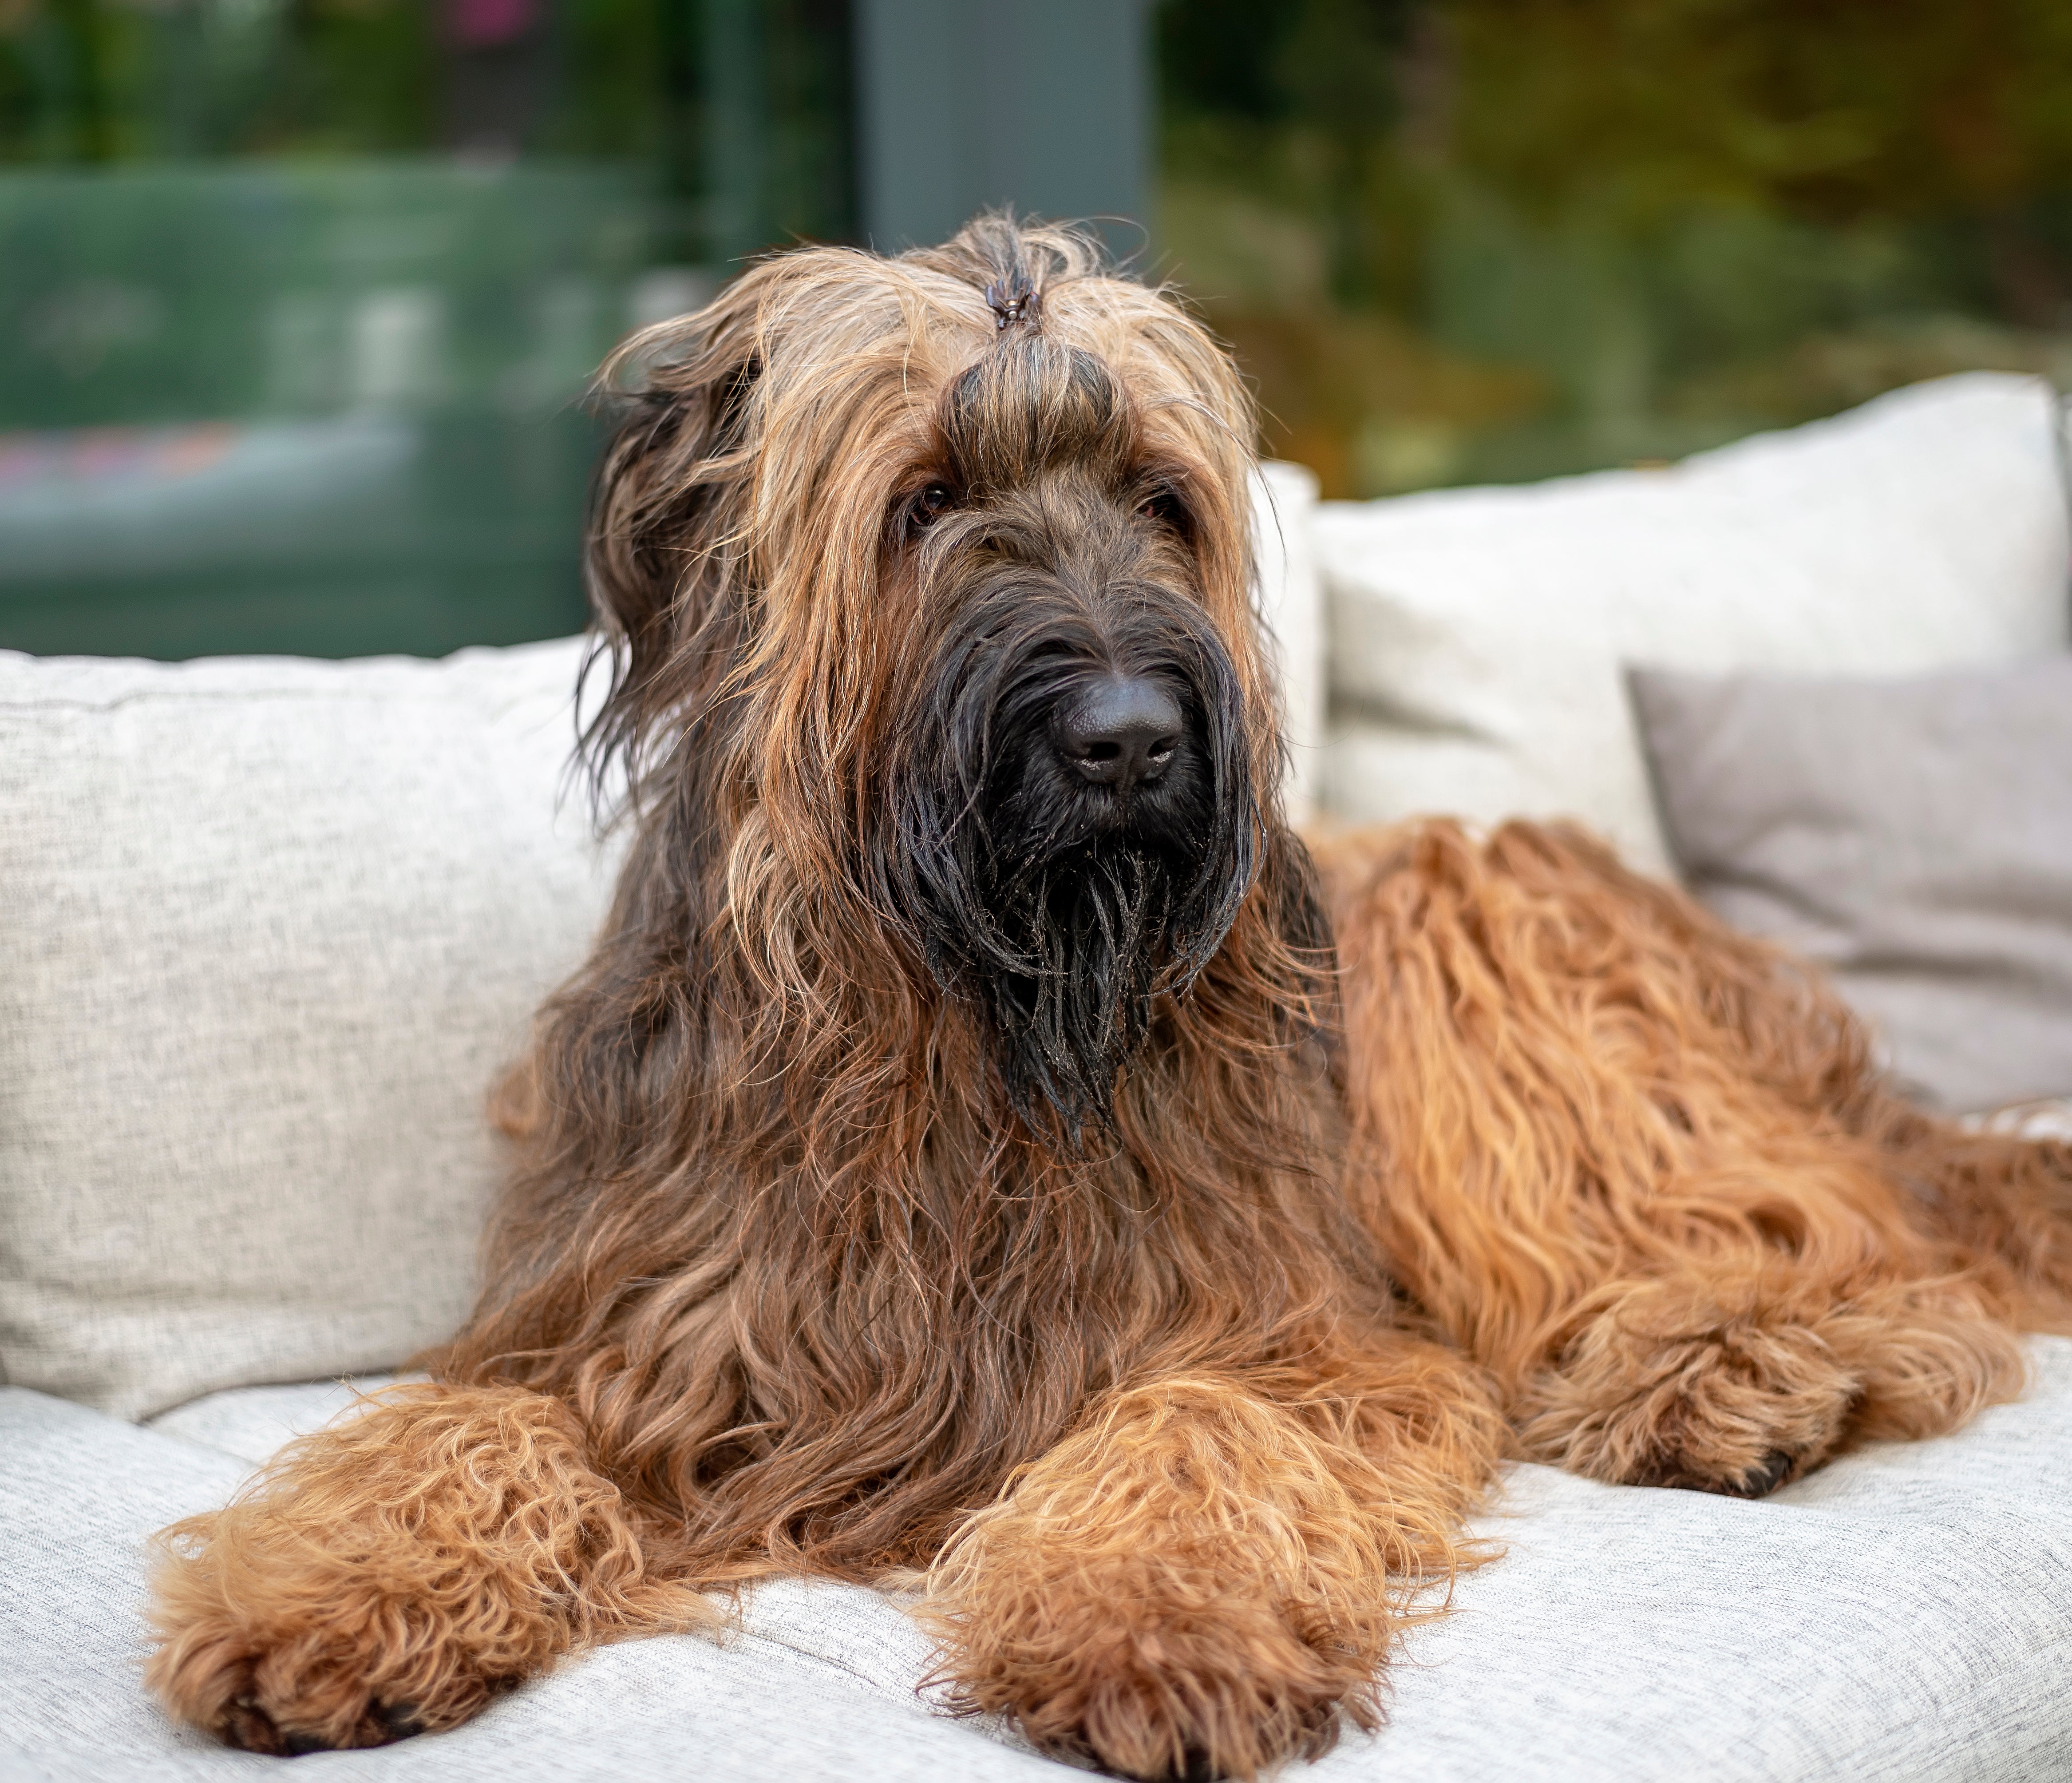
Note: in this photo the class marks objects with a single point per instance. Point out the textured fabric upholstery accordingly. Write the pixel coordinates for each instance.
(1284, 517)
(250, 1423)
(1477, 637)
(1914, 836)
(268, 930)
(825, 1693)
(1904, 1614)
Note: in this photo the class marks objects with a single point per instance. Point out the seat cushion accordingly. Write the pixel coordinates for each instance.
(1905, 1613)
(821, 1688)
(1478, 636)
(251, 1424)
(269, 930)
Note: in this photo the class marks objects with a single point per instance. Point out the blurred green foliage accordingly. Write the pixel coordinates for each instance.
(306, 293)
(740, 109)
(1452, 240)
(1469, 240)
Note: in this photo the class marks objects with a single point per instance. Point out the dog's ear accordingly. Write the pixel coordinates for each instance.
(662, 564)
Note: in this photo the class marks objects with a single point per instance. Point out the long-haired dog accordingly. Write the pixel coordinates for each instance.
(983, 1155)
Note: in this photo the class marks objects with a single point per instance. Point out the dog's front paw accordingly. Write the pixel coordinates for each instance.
(1196, 1584)
(392, 1573)
(287, 1679)
(286, 1717)
(276, 1644)
(1669, 1386)
(1226, 1690)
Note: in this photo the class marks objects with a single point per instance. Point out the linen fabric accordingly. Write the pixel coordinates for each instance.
(1913, 836)
(269, 930)
(1902, 1616)
(1284, 505)
(1478, 637)
(253, 1424)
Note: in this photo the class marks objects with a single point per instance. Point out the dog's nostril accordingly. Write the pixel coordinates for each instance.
(1122, 730)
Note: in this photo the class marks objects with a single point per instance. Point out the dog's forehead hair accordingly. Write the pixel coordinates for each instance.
(1030, 404)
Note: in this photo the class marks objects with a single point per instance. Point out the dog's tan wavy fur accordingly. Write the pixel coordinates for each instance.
(1642, 1168)
(784, 1281)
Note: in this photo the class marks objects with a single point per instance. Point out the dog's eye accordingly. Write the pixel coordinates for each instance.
(1163, 504)
(922, 509)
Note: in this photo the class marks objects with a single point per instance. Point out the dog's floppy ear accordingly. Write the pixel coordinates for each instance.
(663, 563)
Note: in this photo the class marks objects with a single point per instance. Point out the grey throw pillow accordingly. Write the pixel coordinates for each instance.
(1914, 836)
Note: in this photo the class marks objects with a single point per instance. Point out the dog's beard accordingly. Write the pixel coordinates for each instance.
(1060, 910)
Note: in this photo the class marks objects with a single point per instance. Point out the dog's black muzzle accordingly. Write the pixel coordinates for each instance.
(1073, 825)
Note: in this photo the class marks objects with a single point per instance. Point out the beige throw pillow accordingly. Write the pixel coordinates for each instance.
(268, 930)
(1478, 636)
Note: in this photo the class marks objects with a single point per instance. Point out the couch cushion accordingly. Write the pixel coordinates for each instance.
(250, 1423)
(1477, 636)
(1913, 836)
(2049, 1120)
(824, 1691)
(1284, 506)
(268, 930)
(1905, 1613)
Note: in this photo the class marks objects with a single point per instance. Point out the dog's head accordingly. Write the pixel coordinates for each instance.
(928, 589)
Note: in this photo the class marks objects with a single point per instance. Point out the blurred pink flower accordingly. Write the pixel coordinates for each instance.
(478, 24)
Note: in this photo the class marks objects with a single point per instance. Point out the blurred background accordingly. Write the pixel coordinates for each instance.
(297, 297)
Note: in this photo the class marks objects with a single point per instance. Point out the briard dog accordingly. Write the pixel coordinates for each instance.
(987, 1155)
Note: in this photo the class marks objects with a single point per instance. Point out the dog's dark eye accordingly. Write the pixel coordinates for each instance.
(922, 508)
(1163, 504)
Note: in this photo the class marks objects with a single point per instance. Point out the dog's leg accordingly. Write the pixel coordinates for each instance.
(1736, 1374)
(2003, 1199)
(1637, 1165)
(391, 1574)
(1202, 1579)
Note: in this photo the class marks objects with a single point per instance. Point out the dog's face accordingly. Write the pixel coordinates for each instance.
(937, 581)
(1070, 804)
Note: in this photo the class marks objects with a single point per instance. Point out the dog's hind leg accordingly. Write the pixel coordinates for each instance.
(2002, 1198)
(1736, 1374)
(392, 1573)
(1636, 1165)
(1208, 1573)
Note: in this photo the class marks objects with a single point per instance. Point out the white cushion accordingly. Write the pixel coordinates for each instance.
(1478, 636)
(1292, 603)
(251, 1424)
(269, 930)
(1905, 1613)
(820, 1687)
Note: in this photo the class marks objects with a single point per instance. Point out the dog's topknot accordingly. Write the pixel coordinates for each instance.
(1014, 259)
(1012, 299)
(1011, 295)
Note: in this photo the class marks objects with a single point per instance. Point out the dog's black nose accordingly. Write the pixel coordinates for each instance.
(1120, 731)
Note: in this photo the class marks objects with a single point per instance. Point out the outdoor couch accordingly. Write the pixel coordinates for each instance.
(269, 928)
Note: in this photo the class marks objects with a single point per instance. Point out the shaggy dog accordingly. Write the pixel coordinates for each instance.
(983, 1155)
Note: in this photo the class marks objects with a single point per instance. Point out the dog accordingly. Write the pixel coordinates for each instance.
(987, 1155)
